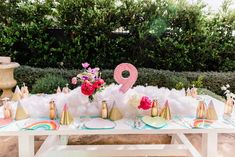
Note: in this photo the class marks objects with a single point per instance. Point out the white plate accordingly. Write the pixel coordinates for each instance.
(99, 123)
(156, 122)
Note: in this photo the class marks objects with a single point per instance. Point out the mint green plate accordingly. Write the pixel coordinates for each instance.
(155, 122)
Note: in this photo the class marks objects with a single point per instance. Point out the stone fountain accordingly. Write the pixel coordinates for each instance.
(7, 81)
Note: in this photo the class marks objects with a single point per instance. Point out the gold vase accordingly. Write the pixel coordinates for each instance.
(104, 110)
(154, 109)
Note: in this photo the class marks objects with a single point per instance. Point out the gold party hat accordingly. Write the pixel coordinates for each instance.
(201, 110)
(20, 112)
(211, 112)
(66, 117)
(17, 94)
(115, 113)
(58, 90)
(166, 113)
(154, 109)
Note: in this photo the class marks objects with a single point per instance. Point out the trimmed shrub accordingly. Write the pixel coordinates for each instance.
(160, 34)
(162, 78)
(49, 83)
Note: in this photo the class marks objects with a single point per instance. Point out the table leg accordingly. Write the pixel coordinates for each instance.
(210, 145)
(64, 139)
(26, 145)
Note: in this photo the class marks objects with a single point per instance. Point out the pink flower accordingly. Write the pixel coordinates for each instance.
(94, 70)
(87, 88)
(89, 70)
(85, 65)
(145, 103)
(74, 80)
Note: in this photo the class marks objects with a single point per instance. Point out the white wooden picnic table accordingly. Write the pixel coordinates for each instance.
(56, 143)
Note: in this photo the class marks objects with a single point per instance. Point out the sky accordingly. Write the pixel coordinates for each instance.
(215, 4)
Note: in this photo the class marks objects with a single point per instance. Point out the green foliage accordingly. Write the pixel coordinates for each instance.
(48, 84)
(179, 85)
(177, 82)
(199, 82)
(163, 34)
(161, 78)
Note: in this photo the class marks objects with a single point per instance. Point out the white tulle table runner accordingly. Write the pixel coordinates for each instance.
(79, 105)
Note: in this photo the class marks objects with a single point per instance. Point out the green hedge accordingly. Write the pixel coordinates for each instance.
(163, 34)
(212, 80)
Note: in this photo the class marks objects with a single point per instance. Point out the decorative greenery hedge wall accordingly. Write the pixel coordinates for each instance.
(161, 78)
(159, 34)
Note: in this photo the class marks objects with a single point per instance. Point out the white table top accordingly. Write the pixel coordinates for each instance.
(122, 127)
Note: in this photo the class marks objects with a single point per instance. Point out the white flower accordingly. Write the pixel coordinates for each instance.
(227, 85)
(227, 92)
(228, 95)
(223, 88)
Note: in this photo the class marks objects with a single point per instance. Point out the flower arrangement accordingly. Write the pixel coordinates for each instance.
(227, 92)
(91, 80)
(140, 102)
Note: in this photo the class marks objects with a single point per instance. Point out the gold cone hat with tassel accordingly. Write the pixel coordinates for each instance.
(17, 94)
(211, 112)
(201, 110)
(115, 113)
(166, 113)
(66, 117)
(20, 112)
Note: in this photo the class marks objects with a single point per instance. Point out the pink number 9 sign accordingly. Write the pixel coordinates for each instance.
(125, 82)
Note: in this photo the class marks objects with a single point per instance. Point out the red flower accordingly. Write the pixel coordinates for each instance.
(145, 103)
(98, 83)
(87, 88)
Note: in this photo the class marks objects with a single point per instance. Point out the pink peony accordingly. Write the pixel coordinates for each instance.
(98, 83)
(145, 103)
(85, 65)
(74, 80)
(87, 88)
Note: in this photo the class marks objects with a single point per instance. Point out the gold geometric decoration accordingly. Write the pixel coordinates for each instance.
(17, 94)
(66, 117)
(115, 113)
(20, 112)
(211, 112)
(166, 113)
